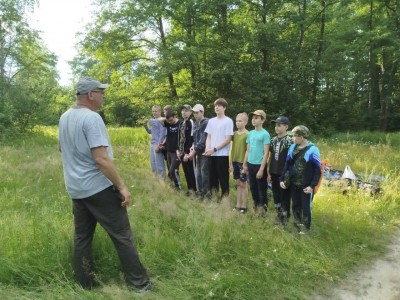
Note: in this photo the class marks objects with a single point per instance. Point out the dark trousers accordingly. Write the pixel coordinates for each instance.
(258, 187)
(219, 174)
(281, 196)
(104, 208)
(173, 172)
(188, 170)
(301, 206)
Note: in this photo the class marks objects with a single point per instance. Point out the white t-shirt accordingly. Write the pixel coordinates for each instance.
(219, 129)
(80, 130)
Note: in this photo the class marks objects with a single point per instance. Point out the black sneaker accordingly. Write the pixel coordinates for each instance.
(144, 288)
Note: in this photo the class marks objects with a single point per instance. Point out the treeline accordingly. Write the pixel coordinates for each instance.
(332, 65)
(28, 77)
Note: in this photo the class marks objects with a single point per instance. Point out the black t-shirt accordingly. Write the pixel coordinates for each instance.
(279, 148)
(172, 136)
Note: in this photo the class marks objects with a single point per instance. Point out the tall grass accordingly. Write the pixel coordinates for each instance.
(192, 249)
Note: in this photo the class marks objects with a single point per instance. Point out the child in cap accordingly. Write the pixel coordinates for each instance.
(197, 150)
(302, 172)
(255, 161)
(278, 151)
(238, 152)
(185, 142)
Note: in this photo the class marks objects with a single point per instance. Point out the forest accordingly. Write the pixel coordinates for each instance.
(331, 65)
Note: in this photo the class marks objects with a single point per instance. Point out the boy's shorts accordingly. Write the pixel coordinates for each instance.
(237, 175)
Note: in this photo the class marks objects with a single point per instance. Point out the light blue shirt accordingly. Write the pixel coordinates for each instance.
(256, 141)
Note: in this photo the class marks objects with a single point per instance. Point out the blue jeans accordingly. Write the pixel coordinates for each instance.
(202, 174)
(157, 162)
(258, 187)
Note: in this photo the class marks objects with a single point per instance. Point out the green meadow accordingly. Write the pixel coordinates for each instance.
(192, 249)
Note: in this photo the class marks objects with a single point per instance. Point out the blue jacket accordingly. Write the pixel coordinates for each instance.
(312, 172)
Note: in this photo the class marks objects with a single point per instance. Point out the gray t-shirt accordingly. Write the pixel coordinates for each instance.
(80, 130)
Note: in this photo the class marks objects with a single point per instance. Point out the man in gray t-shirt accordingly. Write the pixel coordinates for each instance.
(98, 192)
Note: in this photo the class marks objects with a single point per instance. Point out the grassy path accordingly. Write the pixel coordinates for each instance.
(380, 280)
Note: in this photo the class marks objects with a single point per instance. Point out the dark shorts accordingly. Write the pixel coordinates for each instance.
(237, 168)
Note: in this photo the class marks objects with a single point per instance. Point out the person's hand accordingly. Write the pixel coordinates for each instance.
(244, 168)
(157, 148)
(259, 174)
(145, 121)
(308, 190)
(282, 184)
(269, 179)
(126, 197)
(186, 158)
(209, 152)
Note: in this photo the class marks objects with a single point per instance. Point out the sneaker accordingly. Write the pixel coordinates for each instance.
(144, 288)
(243, 210)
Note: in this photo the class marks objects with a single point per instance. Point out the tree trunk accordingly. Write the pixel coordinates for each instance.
(302, 29)
(386, 89)
(316, 77)
(171, 81)
(374, 70)
(264, 50)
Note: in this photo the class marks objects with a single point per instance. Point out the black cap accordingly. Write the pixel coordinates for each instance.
(281, 120)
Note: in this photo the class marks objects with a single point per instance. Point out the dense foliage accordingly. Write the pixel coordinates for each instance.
(332, 65)
(28, 79)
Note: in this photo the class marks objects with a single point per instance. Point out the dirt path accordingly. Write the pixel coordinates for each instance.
(381, 281)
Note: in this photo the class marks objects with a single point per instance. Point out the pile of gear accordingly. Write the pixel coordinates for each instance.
(346, 180)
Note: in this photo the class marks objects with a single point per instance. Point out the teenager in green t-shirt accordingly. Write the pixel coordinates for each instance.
(238, 152)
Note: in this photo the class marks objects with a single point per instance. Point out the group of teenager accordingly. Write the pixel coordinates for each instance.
(209, 149)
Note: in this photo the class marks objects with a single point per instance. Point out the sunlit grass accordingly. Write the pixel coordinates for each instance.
(192, 249)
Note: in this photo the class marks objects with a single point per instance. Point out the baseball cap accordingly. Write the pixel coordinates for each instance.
(301, 130)
(87, 84)
(186, 106)
(281, 120)
(259, 112)
(198, 107)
